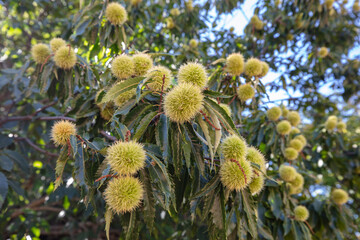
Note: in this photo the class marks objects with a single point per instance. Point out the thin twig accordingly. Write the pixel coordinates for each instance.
(47, 208)
(222, 124)
(31, 205)
(208, 121)
(105, 176)
(36, 147)
(47, 59)
(43, 108)
(81, 139)
(112, 138)
(306, 222)
(81, 65)
(232, 99)
(30, 117)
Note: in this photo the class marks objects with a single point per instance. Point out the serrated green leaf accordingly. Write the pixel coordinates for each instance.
(149, 201)
(216, 213)
(211, 185)
(3, 188)
(196, 149)
(45, 77)
(221, 114)
(186, 147)
(162, 129)
(135, 113)
(159, 173)
(121, 87)
(296, 230)
(205, 130)
(143, 125)
(131, 226)
(18, 159)
(79, 161)
(69, 82)
(100, 95)
(108, 219)
(218, 132)
(176, 148)
(223, 208)
(214, 94)
(249, 209)
(264, 230)
(306, 231)
(60, 166)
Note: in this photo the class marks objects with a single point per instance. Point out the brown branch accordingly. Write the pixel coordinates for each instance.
(232, 99)
(60, 230)
(303, 155)
(112, 138)
(81, 139)
(31, 205)
(47, 59)
(242, 170)
(222, 124)
(47, 208)
(105, 176)
(306, 222)
(30, 117)
(81, 65)
(208, 121)
(35, 146)
(43, 108)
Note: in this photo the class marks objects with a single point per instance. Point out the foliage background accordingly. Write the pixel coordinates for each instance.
(30, 101)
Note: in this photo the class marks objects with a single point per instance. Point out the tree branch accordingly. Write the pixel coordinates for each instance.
(208, 121)
(31, 205)
(47, 208)
(36, 147)
(43, 108)
(284, 99)
(46, 60)
(102, 132)
(31, 117)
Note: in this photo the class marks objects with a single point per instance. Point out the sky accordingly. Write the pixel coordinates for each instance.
(239, 19)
